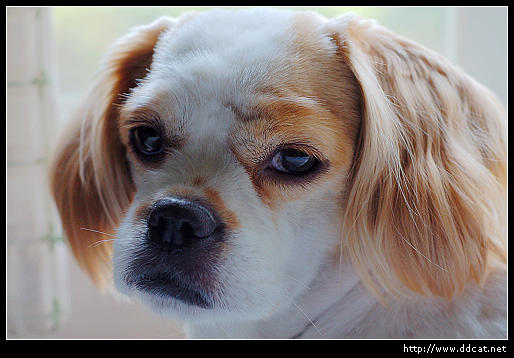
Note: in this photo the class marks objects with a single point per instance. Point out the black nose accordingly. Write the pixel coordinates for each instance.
(176, 223)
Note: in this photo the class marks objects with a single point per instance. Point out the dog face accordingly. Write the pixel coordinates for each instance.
(233, 120)
(235, 155)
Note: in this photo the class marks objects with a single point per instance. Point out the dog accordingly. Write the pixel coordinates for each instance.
(261, 173)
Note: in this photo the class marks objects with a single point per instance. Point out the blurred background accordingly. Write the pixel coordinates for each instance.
(52, 56)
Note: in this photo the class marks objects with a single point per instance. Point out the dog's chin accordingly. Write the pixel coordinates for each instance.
(166, 296)
(170, 306)
(173, 298)
(170, 287)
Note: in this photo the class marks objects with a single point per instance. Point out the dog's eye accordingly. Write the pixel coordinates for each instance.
(147, 140)
(295, 162)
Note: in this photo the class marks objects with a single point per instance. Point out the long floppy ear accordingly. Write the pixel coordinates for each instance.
(89, 178)
(427, 204)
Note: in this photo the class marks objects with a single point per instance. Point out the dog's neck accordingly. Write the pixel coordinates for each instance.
(336, 305)
(306, 314)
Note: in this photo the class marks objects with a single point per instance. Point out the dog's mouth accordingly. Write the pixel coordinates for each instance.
(165, 285)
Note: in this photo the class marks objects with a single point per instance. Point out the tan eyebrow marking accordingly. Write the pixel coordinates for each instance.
(275, 106)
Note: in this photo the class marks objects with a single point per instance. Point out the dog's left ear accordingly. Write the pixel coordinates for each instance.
(90, 180)
(427, 202)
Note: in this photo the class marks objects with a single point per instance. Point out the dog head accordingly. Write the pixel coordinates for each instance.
(236, 154)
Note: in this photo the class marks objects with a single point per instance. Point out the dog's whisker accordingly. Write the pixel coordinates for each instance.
(300, 282)
(99, 232)
(97, 243)
(303, 313)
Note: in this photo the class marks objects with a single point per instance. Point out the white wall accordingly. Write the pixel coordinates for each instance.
(481, 45)
(101, 316)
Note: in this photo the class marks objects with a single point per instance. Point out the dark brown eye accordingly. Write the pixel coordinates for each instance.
(294, 162)
(147, 140)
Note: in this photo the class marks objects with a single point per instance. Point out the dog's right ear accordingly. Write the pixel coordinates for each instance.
(89, 178)
(426, 209)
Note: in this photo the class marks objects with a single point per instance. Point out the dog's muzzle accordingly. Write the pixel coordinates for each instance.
(179, 256)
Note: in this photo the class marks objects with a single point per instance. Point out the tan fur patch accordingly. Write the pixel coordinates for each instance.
(198, 181)
(228, 217)
(142, 211)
